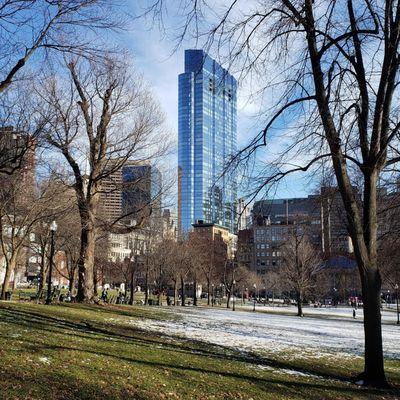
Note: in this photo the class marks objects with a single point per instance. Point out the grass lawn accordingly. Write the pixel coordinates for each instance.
(95, 352)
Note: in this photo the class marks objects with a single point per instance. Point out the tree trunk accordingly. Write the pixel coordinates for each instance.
(42, 276)
(71, 283)
(195, 292)
(182, 292)
(175, 292)
(131, 297)
(86, 263)
(299, 304)
(6, 282)
(159, 301)
(126, 287)
(146, 283)
(95, 281)
(10, 267)
(228, 300)
(374, 373)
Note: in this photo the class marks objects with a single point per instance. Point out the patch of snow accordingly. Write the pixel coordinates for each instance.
(273, 333)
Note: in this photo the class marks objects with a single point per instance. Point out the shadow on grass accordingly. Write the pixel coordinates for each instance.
(97, 331)
(57, 386)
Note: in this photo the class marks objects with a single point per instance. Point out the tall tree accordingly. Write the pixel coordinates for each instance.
(300, 264)
(100, 116)
(23, 208)
(209, 256)
(331, 71)
(34, 34)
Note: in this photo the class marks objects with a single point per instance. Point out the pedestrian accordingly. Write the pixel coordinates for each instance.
(106, 296)
(354, 313)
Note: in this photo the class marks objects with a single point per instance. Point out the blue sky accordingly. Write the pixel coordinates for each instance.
(154, 56)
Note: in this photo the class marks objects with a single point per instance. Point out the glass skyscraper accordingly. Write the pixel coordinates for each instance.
(207, 129)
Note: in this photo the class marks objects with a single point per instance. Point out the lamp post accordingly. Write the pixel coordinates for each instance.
(254, 297)
(233, 294)
(397, 302)
(212, 295)
(53, 229)
(134, 262)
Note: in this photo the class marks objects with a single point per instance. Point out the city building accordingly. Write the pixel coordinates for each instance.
(18, 186)
(131, 192)
(325, 212)
(244, 215)
(170, 227)
(125, 246)
(141, 194)
(212, 231)
(282, 211)
(274, 219)
(335, 236)
(18, 154)
(207, 132)
(245, 248)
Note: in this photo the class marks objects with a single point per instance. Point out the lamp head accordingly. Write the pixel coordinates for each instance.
(53, 226)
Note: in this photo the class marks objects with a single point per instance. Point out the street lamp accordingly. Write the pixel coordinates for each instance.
(397, 302)
(254, 297)
(134, 262)
(53, 229)
(212, 295)
(233, 293)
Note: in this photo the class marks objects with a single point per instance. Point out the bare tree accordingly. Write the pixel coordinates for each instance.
(61, 207)
(176, 263)
(209, 257)
(235, 276)
(68, 238)
(180, 266)
(36, 33)
(29, 28)
(332, 68)
(23, 207)
(389, 262)
(19, 128)
(300, 264)
(99, 117)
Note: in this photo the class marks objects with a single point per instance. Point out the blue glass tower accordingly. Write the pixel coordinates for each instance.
(207, 130)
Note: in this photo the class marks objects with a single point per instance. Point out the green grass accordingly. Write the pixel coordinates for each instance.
(97, 352)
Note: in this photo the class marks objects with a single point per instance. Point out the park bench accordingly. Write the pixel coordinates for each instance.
(26, 296)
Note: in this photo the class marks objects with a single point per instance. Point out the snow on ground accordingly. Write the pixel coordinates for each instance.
(388, 315)
(274, 333)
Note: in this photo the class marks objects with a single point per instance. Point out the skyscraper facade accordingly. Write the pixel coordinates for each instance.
(207, 128)
(130, 192)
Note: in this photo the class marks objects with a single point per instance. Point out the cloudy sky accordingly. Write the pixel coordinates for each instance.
(154, 56)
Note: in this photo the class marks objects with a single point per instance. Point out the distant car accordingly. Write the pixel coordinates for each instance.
(23, 285)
